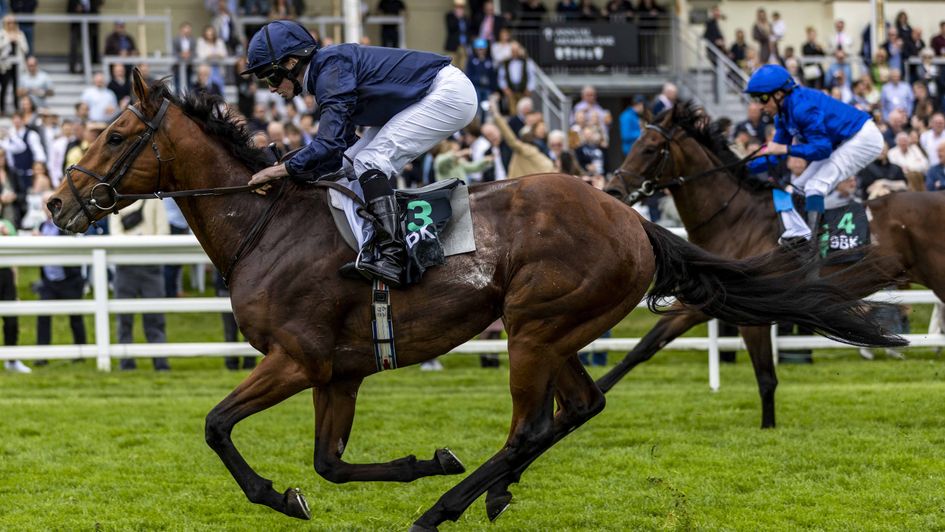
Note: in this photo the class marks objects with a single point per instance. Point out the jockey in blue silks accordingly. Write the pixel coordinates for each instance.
(407, 101)
(836, 139)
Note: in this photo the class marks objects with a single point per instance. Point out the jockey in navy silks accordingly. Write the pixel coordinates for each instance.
(837, 140)
(408, 101)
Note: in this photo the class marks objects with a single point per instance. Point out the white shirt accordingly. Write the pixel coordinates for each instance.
(911, 161)
(35, 143)
(99, 100)
(57, 157)
(929, 142)
(12, 144)
(477, 150)
(842, 40)
(37, 86)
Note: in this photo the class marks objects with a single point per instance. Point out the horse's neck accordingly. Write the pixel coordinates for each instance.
(219, 222)
(711, 205)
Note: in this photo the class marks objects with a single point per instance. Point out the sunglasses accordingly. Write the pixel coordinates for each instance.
(760, 98)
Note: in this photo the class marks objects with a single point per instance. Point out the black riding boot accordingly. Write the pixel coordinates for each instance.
(384, 256)
(813, 221)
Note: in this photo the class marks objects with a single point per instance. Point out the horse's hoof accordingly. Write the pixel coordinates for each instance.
(448, 461)
(421, 528)
(497, 505)
(295, 504)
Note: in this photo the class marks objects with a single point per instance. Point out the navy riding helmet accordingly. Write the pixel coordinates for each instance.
(770, 79)
(273, 44)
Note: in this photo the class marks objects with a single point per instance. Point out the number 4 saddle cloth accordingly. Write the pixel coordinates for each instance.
(845, 233)
(436, 221)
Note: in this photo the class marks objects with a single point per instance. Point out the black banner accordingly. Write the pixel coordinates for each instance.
(575, 43)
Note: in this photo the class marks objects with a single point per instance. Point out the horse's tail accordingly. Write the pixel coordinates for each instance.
(782, 285)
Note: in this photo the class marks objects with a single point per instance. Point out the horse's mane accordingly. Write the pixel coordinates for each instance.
(217, 121)
(699, 125)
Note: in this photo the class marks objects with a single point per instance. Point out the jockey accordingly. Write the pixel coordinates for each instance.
(837, 140)
(408, 101)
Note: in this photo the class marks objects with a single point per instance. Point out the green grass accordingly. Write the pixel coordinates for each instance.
(859, 446)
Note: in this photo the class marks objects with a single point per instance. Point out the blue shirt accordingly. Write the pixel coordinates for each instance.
(53, 273)
(935, 180)
(358, 85)
(629, 129)
(818, 122)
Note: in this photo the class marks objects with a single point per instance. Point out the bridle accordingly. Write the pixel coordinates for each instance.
(650, 184)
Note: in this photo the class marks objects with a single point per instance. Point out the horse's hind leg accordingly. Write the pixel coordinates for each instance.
(758, 341)
(666, 330)
(578, 401)
(533, 383)
(275, 379)
(334, 415)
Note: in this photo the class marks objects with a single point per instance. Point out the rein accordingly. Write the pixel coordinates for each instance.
(649, 185)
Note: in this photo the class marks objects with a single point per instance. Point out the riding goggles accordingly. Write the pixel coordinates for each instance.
(760, 97)
(275, 77)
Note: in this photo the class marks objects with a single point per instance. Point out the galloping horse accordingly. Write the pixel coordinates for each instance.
(730, 214)
(558, 281)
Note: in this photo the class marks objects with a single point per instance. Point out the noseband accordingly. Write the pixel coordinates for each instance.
(110, 181)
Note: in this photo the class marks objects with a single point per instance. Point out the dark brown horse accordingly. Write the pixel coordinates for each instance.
(558, 260)
(731, 215)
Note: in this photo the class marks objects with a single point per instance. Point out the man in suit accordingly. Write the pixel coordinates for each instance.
(459, 32)
(185, 46)
(487, 24)
(82, 7)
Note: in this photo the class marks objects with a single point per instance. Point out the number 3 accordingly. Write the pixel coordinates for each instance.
(420, 210)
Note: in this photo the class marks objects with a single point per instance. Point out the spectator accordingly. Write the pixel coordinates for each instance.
(938, 42)
(903, 28)
(481, 70)
(245, 88)
(177, 225)
(83, 7)
(205, 82)
(713, 33)
(36, 83)
(283, 10)
(119, 42)
(895, 51)
(58, 282)
(934, 137)
(896, 95)
(739, 50)
(935, 179)
(619, 9)
(910, 158)
(589, 154)
(588, 12)
(35, 208)
(778, 30)
(930, 74)
(531, 13)
(452, 162)
(502, 48)
(523, 108)
(185, 48)
(120, 85)
(813, 73)
(839, 65)
(594, 115)
(879, 171)
(211, 49)
(923, 107)
(225, 26)
(840, 40)
(11, 325)
(666, 99)
(567, 9)
(897, 122)
(879, 70)
(87, 133)
(459, 34)
(487, 24)
(31, 150)
(517, 76)
(56, 158)
(491, 144)
(761, 33)
(141, 281)
(526, 158)
(276, 133)
(861, 95)
(752, 129)
(557, 144)
(27, 7)
(390, 33)
(102, 102)
(13, 50)
(630, 121)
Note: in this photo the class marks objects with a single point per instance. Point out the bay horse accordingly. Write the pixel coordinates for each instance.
(732, 215)
(560, 261)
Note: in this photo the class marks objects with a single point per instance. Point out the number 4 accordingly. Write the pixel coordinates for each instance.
(846, 223)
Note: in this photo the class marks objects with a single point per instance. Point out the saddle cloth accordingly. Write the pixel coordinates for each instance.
(456, 236)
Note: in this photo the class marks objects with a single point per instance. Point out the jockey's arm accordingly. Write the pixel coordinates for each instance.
(817, 144)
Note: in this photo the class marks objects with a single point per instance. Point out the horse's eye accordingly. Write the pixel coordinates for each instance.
(115, 139)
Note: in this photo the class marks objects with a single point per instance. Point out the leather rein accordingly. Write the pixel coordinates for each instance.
(110, 181)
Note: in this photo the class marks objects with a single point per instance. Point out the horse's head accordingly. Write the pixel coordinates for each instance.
(653, 163)
(126, 158)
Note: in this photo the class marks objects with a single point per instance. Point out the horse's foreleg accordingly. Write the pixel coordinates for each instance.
(667, 329)
(275, 379)
(334, 415)
(758, 341)
(578, 401)
(532, 383)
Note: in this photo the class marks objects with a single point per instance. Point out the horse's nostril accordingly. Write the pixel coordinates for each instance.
(54, 205)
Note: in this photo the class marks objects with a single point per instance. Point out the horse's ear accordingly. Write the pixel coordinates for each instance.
(139, 87)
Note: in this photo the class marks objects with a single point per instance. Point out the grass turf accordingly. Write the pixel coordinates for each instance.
(859, 446)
